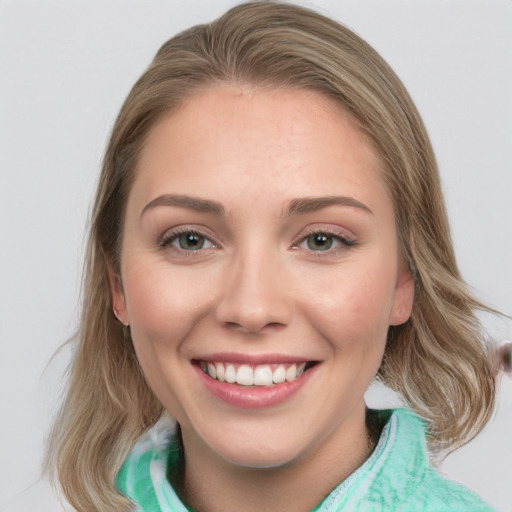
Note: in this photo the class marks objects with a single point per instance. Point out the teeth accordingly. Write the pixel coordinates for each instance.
(246, 375)
(230, 374)
(219, 370)
(291, 373)
(212, 372)
(263, 376)
(279, 375)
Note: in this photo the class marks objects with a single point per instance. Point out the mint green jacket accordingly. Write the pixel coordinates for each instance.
(397, 477)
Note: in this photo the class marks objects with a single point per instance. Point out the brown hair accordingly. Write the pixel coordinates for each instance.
(438, 361)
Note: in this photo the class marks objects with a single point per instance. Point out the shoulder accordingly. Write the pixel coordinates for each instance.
(438, 494)
(398, 477)
(425, 489)
(143, 476)
(136, 479)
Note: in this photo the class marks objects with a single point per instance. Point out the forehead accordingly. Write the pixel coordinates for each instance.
(291, 142)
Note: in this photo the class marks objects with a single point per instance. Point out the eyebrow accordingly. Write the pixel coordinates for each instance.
(189, 202)
(299, 206)
(312, 204)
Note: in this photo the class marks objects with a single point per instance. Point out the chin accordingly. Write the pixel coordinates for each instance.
(266, 448)
(260, 457)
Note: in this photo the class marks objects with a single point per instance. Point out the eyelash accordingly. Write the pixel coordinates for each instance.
(344, 241)
(171, 236)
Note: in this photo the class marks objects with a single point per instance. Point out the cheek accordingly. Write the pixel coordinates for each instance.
(164, 303)
(164, 307)
(354, 306)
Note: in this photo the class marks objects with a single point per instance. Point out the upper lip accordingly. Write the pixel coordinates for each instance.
(252, 359)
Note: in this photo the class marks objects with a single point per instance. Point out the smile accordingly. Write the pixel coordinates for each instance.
(262, 382)
(253, 375)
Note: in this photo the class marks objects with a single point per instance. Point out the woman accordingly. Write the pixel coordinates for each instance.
(268, 236)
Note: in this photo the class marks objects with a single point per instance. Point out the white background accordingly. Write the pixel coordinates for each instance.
(65, 68)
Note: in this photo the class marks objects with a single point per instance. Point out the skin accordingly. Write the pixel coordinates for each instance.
(260, 286)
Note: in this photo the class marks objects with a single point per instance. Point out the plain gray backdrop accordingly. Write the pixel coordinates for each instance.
(65, 68)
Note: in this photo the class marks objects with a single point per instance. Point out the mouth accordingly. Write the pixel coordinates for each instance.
(263, 375)
(254, 382)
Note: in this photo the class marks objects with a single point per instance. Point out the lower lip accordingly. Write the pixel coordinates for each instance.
(253, 397)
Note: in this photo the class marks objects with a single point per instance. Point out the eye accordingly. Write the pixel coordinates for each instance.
(191, 241)
(319, 242)
(324, 242)
(188, 240)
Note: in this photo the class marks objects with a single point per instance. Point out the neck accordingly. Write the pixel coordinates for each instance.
(210, 483)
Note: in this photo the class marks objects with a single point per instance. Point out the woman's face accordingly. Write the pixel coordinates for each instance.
(260, 273)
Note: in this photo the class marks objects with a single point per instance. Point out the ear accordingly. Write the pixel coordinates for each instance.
(118, 298)
(404, 297)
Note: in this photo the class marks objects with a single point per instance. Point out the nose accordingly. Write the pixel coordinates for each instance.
(254, 295)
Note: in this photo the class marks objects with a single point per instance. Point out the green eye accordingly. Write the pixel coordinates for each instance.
(186, 242)
(319, 242)
(190, 241)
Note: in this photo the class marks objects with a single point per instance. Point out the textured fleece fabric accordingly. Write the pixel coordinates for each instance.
(396, 478)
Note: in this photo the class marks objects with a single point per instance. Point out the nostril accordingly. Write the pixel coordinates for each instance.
(253, 327)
